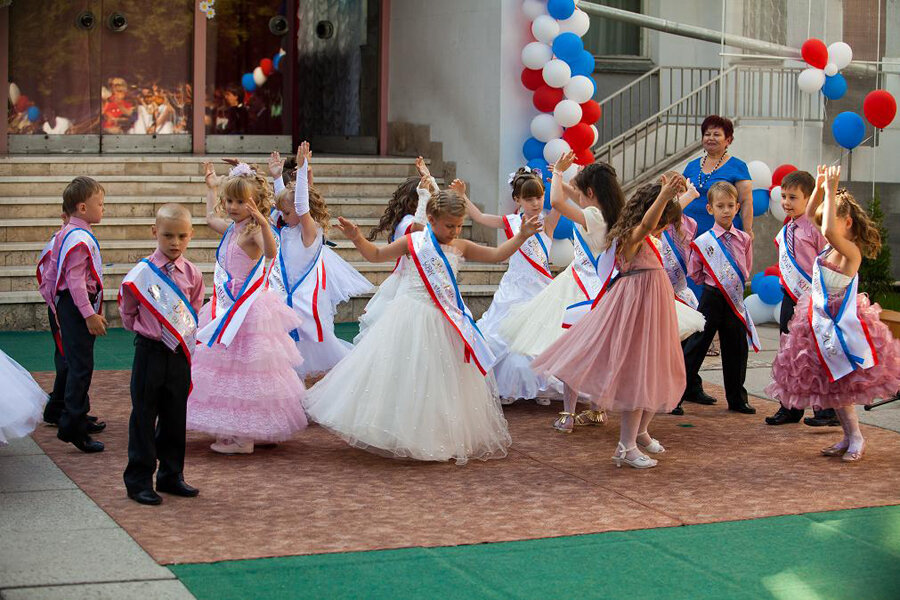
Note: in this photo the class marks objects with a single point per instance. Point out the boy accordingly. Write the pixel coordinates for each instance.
(799, 243)
(158, 301)
(720, 261)
(72, 282)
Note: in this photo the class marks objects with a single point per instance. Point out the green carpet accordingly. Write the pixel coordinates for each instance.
(852, 554)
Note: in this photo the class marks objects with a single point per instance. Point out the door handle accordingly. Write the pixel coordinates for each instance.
(85, 20)
(117, 22)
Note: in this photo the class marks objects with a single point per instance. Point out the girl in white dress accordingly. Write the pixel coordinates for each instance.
(21, 403)
(416, 385)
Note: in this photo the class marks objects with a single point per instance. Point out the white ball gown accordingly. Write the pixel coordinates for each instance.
(21, 403)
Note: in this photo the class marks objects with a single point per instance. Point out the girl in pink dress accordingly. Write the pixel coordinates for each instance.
(245, 388)
(838, 353)
(625, 353)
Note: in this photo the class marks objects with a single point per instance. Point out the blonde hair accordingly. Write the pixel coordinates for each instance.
(446, 203)
(173, 211)
(865, 233)
(318, 210)
(721, 187)
(243, 187)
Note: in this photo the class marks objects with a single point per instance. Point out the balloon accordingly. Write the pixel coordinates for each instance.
(880, 108)
(835, 87)
(541, 165)
(536, 54)
(22, 103)
(590, 112)
(267, 66)
(568, 46)
(258, 76)
(580, 89)
(779, 173)
(594, 129)
(546, 98)
(534, 8)
(14, 93)
(547, 205)
(840, 54)
(815, 53)
(770, 290)
(756, 282)
(760, 202)
(776, 313)
(554, 149)
(545, 128)
(811, 80)
(247, 82)
(561, 9)
(775, 204)
(545, 28)
(563, 230)
(579, 136)
(760, 174)
(571, 172)
(759, 311)
(33, 113)
(532, 79)
(773, 270)
(584, 64)
(567, 113)
(848, 129)
(830, 69)
(578, 23)
(584, 157)
(561, 250)
(557, 73)
(533, 148)
(276, 60)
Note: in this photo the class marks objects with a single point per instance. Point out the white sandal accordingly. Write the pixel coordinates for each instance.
(641, 462)
(654, 447)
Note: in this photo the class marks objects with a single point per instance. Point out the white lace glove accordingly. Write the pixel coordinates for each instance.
(421, 215)
(301, 191)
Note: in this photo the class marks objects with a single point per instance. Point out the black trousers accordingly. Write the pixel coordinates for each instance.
(732, 343)
(54, 407)
(78, 364)
(160, 382)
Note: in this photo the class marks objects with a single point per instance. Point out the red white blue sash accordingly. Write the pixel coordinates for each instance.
(156, 291)
(534, 250)
(73, 239)
(842, 338)
(592, 276)
(793, 278)
(43, 261)
(728, 277)
(439, 280)
(228, 310)
(404, 227)
(676, 268)
(302, 295)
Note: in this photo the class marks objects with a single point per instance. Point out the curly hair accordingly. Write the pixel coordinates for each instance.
(865, 233)
(601, 178)
(318, 209)
(446, 203)
(634, 211)
(526, 184)
(404, 202)
(246, 187)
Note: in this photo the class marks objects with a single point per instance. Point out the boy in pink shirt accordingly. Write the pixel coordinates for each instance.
(158, 301)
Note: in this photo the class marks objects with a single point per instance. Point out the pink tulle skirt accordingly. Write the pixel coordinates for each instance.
(250, 388)
(800, 380)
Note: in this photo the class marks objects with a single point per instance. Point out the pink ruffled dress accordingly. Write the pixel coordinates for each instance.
(625, 354)
(800, 379)
(249, 389)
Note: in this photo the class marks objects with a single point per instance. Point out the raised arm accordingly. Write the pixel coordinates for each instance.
(688, 195)
(309, 227)
(845, 247)
(370, 251)
(671, 185)
(818, 194)
(276, 170)
(558, 197)
(215, 222)
(479, 253)
(475, 213)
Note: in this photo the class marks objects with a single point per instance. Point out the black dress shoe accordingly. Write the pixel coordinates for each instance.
(821, 421)
(743, 408)
(88, 445)
(784, 415)
(91, 419)
(96, 426)
(178, 488)
(701, 398)
(677, 410)
(146, 497)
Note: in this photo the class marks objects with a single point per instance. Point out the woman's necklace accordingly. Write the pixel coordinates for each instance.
(703, 178)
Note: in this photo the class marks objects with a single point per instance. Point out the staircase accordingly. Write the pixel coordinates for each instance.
(136, 186)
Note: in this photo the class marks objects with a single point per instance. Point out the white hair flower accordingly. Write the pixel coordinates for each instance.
(241, 170)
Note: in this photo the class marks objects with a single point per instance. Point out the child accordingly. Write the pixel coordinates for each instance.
(625, 354)
(158, 301)
(838, 353)
(676, 247)
(21, 403)
(528, 274)
(416, 385)
(799, 243)
(244, 384)
(73, 284)
(720, 261)
(304, 277)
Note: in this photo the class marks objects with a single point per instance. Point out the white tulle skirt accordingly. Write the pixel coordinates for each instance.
(343, 281)
(21, 401)
(377, 304)
(320, 357)
(690, 321)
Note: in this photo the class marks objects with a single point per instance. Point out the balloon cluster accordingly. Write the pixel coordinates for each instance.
(767, 188)
(22, 104)
(764, 304)
(259, 75)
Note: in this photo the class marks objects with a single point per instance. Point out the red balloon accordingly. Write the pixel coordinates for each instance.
(22, 103)
(815, 52)
(579, 136)
(880, 108)
(773, 270)
(532, 78)
(267, 66)
(780, 172)
(546, 98)
(584, 157)
(590, 113)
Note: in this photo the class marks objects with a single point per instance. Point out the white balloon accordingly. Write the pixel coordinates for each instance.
(759, 311)
(534, 8)
(776, 313)
(760, 174)
(562, 252)
(259, 78)
(578, 23)
(567, 113)
(840, 54)
(831, 69)
(580, 89)
(557, 73)
(545, 28)
(545, 128)
(775, 204)
(536, 54)
(811, 80)
(554, 149)
(596, 135)
(14, 93)
(571, 172)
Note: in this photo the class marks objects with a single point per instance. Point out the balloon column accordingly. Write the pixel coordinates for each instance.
(558, 70)
(258, 77)
(764, 304)
(767, 188)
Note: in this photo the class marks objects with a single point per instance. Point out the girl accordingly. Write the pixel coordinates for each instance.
(625, 354)
(416, 385)
(22, 402)
(306, 278)
(244, 386)
(838, 353)
(528, 274)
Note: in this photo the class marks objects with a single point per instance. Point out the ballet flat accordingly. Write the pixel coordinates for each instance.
(591, 417)
(559, 423)
(654, 447)
(641, 462)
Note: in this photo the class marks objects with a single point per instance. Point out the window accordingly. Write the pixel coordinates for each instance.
(608, 37)
(766, 20)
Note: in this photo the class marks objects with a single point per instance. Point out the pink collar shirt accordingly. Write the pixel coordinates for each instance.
(741, 247)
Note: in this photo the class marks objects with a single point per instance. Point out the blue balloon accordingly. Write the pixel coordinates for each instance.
(584, 64)
(561, 9)
(533, 149)
(760, 202)
(848, 129)
(568, 46)
(770, 290)
(277, 59)
(33, 113)
(547, 205)
(756, 282)
(539, 163)
(247, 82)
(835, 87)
(564, 230)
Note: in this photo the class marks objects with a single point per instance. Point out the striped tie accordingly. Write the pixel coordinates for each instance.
(726, 240)
(168, 338)
(789, 237)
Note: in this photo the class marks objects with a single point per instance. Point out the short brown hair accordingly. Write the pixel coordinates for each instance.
(799, 179)
(722, 187)
(717, 122)
(79, 190)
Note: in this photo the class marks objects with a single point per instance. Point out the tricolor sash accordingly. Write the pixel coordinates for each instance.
(302, 295)
(592, 276)
(676, 268)
(155, 290)
(43, 261)
(228, 310)
(439, 280)
(728, 277)
(82, 237)
(404, 227)
(793, 278)
(534, 250)
(842, 338)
